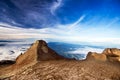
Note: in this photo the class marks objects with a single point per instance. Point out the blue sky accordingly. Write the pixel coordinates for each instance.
(61, 20)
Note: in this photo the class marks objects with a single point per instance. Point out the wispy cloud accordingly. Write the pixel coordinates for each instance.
(55, 6)
(113, 22)
(77, 22)
(75, 32)
(12, 32)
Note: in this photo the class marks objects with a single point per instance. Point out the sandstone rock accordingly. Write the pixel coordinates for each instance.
(109, 54)
(113, 52)
(96, 56)
(114, 59)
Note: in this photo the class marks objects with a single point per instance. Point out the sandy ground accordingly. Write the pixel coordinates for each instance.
(69, 70)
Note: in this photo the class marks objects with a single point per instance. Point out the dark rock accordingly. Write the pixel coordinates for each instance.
(5, 62)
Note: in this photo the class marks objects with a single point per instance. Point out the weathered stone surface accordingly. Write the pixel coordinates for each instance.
(96, 56)
(39, 51)
(113, 52)
(109, 54)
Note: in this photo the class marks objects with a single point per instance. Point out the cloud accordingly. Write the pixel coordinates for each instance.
(12, 32)
(113, 22)
(11, 50)
(73, 33)
(31, 14)
(85, 50)
(77, 22)
(55, 6)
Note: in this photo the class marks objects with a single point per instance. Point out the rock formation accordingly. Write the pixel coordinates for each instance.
(39, 51)
(113, 54)
(96, 56)
(109, 54)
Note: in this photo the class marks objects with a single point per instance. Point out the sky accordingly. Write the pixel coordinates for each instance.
(95, 21)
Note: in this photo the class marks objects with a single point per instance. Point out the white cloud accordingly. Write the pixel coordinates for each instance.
(12, 32)
(7, 51)
(75, 32)
(85, 50)
(55, 6)
(77, 22)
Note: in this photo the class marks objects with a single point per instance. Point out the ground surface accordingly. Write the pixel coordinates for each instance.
(68, 70)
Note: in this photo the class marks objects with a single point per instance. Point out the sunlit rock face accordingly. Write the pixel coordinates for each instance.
(113, 54)
(39, 51)
(109, 54)
(96, 56)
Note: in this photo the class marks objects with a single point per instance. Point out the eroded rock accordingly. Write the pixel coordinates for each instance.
(109, 54)
(96, 56)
